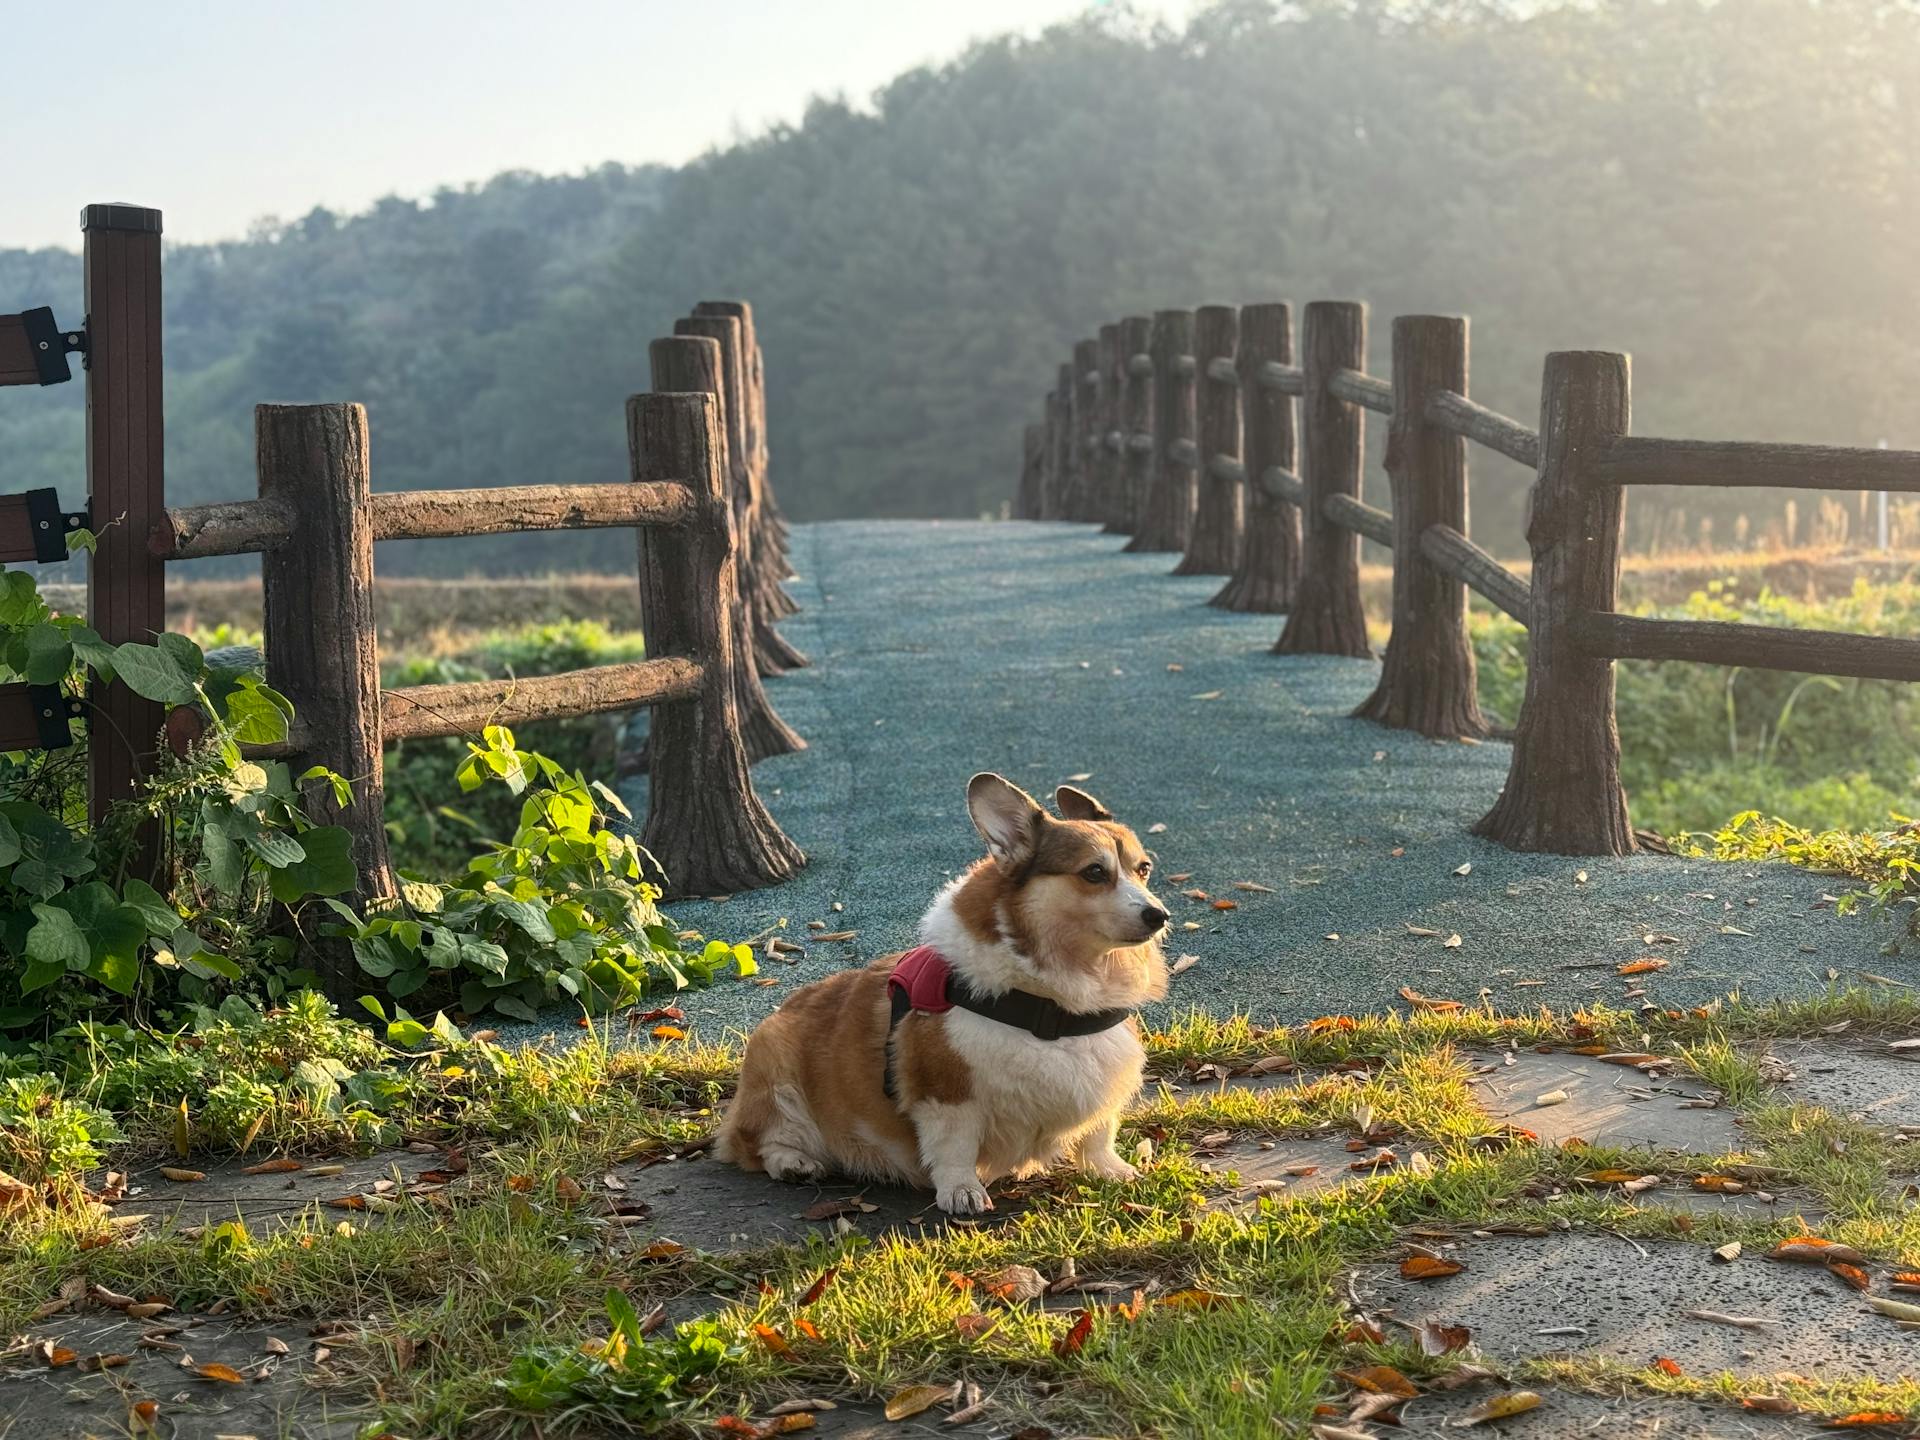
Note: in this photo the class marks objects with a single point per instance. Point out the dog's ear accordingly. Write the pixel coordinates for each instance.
(1006, 817)
(1078, 805)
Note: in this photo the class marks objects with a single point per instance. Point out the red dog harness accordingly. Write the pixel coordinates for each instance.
(922, 980)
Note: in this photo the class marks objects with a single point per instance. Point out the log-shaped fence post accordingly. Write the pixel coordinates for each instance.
(705, 827)
(1427, 676)
(1168, 521)
(1086, 430)
(1109, 465)
(1327, 617)
(1563, 791)
(1213, 547)
(760, 561)
(693, 363)
(1136, 422)
(126, 489)
(1066, 458)
(321, 643)
(770, 527)
(1263, 582)
(1050, 456)
(1026, 502)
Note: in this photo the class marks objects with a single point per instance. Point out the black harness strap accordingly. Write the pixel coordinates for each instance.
(1040, 1017)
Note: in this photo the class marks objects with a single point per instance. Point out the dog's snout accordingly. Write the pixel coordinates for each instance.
(1153, 917)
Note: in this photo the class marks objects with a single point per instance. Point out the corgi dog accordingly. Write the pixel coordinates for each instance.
(1005, 1042)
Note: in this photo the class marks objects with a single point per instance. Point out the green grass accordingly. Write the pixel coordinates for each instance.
(510, 1279)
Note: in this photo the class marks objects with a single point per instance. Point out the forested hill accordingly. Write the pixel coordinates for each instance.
(1729, 192)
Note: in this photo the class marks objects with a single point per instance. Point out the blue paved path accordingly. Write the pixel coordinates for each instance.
(1043, 652)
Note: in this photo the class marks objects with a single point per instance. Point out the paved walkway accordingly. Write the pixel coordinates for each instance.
(1041, 651)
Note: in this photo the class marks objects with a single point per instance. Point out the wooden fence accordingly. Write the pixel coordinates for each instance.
(1181, 433)
(712, 555)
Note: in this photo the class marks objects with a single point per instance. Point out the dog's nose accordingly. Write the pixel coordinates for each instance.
(1153, 917)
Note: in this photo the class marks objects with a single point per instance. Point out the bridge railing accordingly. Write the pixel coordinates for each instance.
(1188, 445)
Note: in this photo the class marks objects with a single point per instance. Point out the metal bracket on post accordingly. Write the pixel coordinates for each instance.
(51, 712)
(51, 345)
(51, 525)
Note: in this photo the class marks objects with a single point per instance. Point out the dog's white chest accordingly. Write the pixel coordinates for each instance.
(1045, 1087)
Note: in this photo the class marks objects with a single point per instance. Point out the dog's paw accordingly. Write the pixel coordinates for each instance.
(1109, 1167)
(969, 1197)
(791, 1166)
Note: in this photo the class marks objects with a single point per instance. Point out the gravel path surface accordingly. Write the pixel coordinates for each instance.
(1043, 652)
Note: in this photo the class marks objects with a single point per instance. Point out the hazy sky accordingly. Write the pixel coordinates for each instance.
(221, 111)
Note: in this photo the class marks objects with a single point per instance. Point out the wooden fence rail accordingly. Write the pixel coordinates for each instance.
(1300, 526)
(712, 556)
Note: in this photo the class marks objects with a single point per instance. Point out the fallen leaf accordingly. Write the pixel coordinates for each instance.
(281, 1166)
(104, 1362)
(1644, 965)
(277, 1346)
(1812, 1250)
(1552, 1097)
(1440, 1339)
(173, 1172)
(1466, 869)
(1452, 942)
(668, 1032)
(225, 1374)
(1380, 1380)
(775, 1342)
(814, 1290)
(1728, 1253)
(662, 1250)
(976, 1326)
(1226, 904)
(1428, 1002)
(1014, 1284)
(914, 1399)
(833, 935)
(1739, 1322)
(143, 1417)
(1853, 1275)
(1499, 1407)
(828, 1209)
(149, 1310)
(1191, 1299)
(1894, 1309)
(1253, 887)
(1428, 1267)
(1185, 962)
(801, 1406)
(1667, 1365)
(1070, 1343)
(1719, 1184)
(1769, 1404)
(322, 1171)
(1866, 1419)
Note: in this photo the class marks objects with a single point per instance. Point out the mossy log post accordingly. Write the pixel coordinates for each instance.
(1026, 500)
(1110, 466)
(1213, 547)
(1086, 429)
(1563, 791)
(760, 565)
(1136, 422)
(696, 365)
(1263, 582)
(769, 524)
(1168, 519)
(1327, 617)
(1427, 676)
(317, 593)
(1066, 457)
(705, 828)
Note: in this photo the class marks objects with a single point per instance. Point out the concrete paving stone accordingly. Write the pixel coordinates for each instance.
(1607, 1104)
(1572, 1415)
(1630, 1307)
(1864, 1081)
(38, 1403)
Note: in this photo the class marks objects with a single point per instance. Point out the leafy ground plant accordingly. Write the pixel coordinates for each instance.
(562, 911)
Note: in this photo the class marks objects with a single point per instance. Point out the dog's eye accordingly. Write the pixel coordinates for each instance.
(1146, 869)
(1094, 874)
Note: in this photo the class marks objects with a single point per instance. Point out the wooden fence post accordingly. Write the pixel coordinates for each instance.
(1026, 502)
(760, 563)
(697, 364)
(1066, 454)
(1168, 520)
(770, 526)
(321, 644)
(1327, 617)
(1050, 457)
(1086, 430)
(126, 488)
(1263, 582)
(1563, 790)
(1136, 422)
(1213, 547)
(1109, 466)
(705, 826)
(1427, 676)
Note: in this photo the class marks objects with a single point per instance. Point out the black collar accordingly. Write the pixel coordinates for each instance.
(1040, 1017)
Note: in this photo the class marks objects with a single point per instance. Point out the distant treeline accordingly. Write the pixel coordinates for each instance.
(1730, 192)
